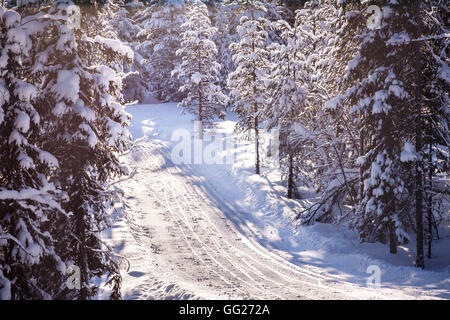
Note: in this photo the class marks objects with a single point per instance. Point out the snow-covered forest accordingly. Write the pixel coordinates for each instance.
(338, 115)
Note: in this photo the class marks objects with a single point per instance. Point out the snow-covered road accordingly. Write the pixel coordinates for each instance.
(185, 239)
(193, 250)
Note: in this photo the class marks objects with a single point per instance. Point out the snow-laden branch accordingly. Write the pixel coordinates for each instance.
(29, 194)
(406, 40)
(10, 237)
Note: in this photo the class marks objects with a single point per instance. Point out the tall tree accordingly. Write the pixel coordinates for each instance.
(246, 83)
(436, 115)
(378, 89)
(224, 20)
(198, 68)
(324, 132)
(31, 218)
(86, 132)
(387, 88)
(161, 30)
(287, 94)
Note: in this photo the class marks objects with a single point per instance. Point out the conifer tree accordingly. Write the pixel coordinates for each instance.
(86, 132)
(287, 92)
(161, 26)
(31, 218)
(246, 83)
(198, 68)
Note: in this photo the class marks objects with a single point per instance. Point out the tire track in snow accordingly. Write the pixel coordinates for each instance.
(352, 290)
(255, 262)
(150, 156)
(241, 253)
(222, 250)
(317, 283)
(290, 279)
(154, 285)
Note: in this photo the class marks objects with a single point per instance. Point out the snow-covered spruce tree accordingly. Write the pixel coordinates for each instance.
(225, 16)
(112, 26)
(31, 218)
(127, 29)
(287, 95)
(198, 68)
(223, 20)
(247, 88)
(384, 78)
(160, 36)
(378, 95)
(425, 39)
(85, 134)
(136, 84)
(324, 135)
(347, 53)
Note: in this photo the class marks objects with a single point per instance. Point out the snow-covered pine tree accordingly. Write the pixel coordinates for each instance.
(136, 83)
(31, 218)
(426, 38)
(86, 132)
(247, 88)
(161, 26)
(198, 68)
(223, 20)
(384, 81)
(287, 95)
(323, 135)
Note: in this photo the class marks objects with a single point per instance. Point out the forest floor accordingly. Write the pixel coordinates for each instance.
(218, 231)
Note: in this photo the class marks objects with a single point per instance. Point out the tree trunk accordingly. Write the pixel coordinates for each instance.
(361, 153)
(420, 263)
(200, 99)
(80, 230)
(392, 238)
(419, 195)
(255, 109)
(82, 256)
(290, 177)
(430, 199)
(200, 116)
(257, 145)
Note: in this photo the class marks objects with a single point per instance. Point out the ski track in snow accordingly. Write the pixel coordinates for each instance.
(185, 247)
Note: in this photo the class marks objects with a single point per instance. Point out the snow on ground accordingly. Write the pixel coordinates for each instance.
(218, 231)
